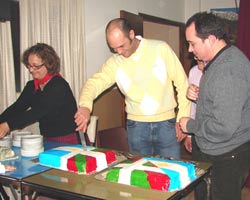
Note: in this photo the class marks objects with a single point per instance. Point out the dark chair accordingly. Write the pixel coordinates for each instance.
(247, 184)
(113, 138)
(92, 129)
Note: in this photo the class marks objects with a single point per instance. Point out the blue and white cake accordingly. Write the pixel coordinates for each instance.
(153, 173)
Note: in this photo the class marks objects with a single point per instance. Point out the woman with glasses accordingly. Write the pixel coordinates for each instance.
(46, 99)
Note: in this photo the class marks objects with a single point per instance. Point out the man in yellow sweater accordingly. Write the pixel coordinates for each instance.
(145, 72)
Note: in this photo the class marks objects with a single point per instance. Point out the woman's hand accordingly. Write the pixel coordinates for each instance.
(4, 129)
(9, 168)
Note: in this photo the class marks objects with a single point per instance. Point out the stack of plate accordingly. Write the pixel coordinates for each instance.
(31, 145)
(16, 137)
(6, 142)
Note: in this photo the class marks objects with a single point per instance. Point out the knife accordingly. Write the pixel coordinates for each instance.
(83, 141)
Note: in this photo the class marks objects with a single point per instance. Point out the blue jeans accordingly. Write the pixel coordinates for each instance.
(153, 138)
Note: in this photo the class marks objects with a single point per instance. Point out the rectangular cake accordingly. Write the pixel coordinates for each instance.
(152, 173)
(74, 159)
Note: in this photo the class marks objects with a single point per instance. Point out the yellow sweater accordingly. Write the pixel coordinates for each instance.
(146, 79)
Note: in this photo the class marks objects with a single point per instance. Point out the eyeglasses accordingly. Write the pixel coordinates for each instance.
(37, 67)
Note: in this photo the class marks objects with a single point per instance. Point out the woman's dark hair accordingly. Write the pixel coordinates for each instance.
(208, 24)
(47, 54)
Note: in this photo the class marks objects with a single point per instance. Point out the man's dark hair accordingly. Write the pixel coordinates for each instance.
(207, 24)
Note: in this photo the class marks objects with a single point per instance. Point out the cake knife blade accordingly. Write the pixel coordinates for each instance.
(83, 141)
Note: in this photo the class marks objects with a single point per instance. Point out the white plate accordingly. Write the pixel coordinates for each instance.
(32, 142)
(30, 147)
(31, 152)
(16, 143)
(32, 138)
(19, 134)
(6, 141)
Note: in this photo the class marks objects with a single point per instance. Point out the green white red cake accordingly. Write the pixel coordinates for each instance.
(153, 173)
(74, 159)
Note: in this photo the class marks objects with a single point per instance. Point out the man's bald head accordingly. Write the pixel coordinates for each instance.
(120, 37)
(119, 23)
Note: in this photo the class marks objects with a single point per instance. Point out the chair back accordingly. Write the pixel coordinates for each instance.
(113, 138)
(92, 129)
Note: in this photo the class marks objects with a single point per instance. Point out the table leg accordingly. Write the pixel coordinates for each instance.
(3, 193)
(207, 179)
(27, 194)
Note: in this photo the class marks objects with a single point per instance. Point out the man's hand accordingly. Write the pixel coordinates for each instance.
(4, 129)
(183, 123)
(82, 117)
(179, 134)
(192, 92)
(188, 144)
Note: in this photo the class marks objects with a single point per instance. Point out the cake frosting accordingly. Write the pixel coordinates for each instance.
(74, 159)
(153, 173)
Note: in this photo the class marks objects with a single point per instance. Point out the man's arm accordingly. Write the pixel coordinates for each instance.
(94, 86)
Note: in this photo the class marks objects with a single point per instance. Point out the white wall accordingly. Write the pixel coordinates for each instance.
(99, 12)
(193, 6)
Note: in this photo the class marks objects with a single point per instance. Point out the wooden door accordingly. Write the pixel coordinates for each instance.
(135, 21)
(173, 32)
(109, 107)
